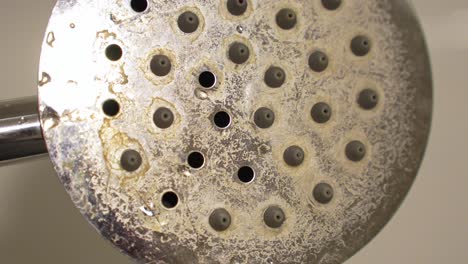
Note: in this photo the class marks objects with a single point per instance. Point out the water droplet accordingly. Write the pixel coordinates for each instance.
(146, 211)
(22, 120)
(184, 170)
(201, 94)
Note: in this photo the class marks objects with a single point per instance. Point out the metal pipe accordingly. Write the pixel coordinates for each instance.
(20, 130)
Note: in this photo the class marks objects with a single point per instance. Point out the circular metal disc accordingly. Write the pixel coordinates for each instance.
(158, 209)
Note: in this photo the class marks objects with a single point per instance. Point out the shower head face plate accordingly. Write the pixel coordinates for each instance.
(236, 131)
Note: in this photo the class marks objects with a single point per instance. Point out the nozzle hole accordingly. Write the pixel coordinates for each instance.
(111, 108)
(114, 52)
(163, 118)
(275, 77)
(331, 4)
(239, 53)
(220, 219)
(323, 193)
(222, 119)
(139, 6)
(160, 65)
(368, 99)
(361, 46)
(188, 22)
(264, 117)
(286, 19)
(207, 79)
(294, 156)
(246, 174)
(318, 61)
(131, 160)
(170, 200)
(196, 160)
(237, 7)
(274, 217)
(355, 151)
(321, 113)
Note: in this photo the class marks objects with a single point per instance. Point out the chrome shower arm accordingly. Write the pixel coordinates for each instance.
(20, 130)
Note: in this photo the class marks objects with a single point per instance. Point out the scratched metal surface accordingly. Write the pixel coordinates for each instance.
(85, 145)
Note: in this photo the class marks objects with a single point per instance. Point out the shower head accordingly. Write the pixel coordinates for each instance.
(236, 131)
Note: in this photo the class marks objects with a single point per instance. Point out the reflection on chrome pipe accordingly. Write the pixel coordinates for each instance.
(20, 129)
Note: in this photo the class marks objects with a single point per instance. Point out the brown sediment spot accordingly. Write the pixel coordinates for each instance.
(50, 118)
(114, 143)
(45, 78)
(105, 34)
(121, 79)
(50, 39)
(124, 75)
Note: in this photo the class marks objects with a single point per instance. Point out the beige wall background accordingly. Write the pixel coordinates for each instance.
(39, 224)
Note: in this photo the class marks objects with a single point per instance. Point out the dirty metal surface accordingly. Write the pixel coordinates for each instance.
(127, 206)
